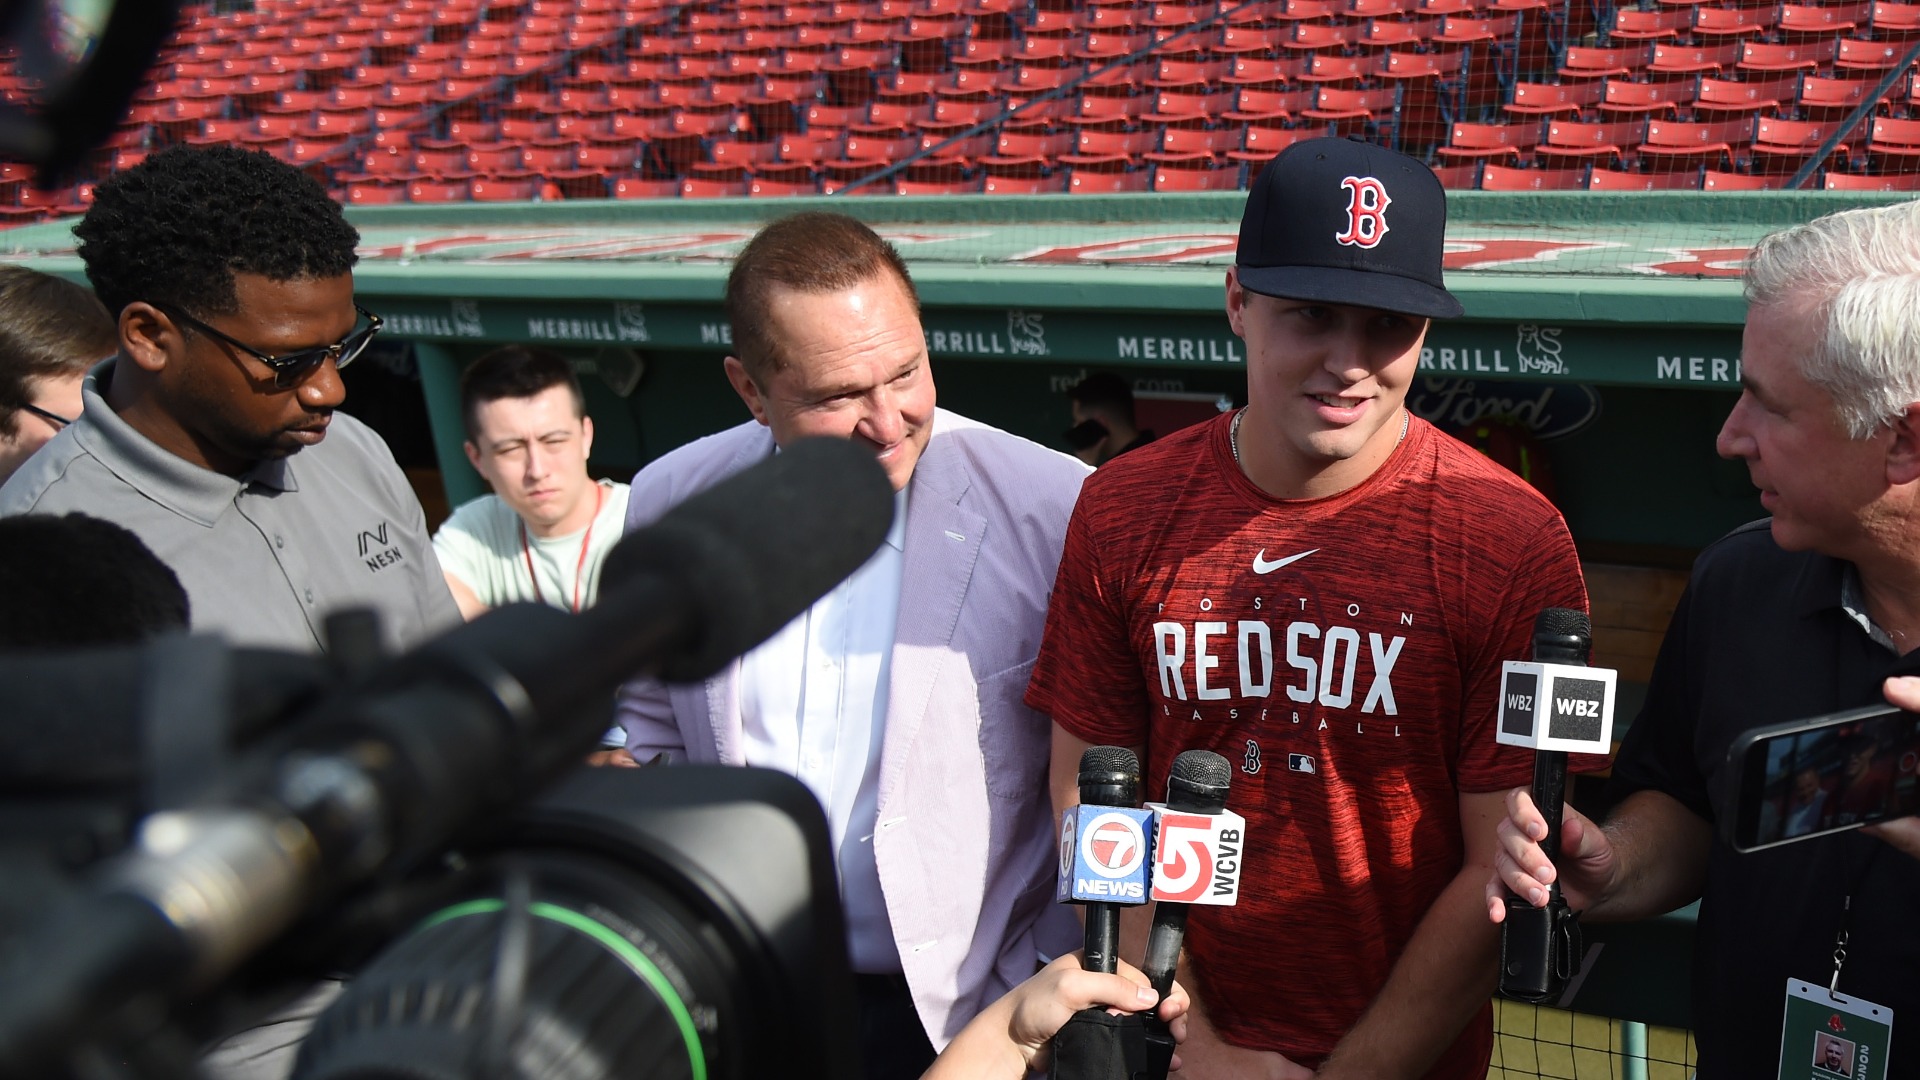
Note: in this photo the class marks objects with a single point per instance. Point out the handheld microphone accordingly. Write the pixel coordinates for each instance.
(1198, 848)
(1103, 850)
(1555, 704)
(379, 778)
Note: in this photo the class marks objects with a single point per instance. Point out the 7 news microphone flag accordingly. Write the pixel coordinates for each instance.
(1104, 845)
(1103, 849)
(1555, 704)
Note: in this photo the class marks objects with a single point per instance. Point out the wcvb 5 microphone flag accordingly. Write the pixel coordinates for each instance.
(1197, 857)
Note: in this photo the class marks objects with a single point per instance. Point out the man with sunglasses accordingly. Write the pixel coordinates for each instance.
(212, 433)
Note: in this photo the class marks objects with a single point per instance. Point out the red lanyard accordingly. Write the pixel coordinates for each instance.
(580, 566)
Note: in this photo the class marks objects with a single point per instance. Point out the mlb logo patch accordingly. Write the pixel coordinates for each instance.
(1300, 763)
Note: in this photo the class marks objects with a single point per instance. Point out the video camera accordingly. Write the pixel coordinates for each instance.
(400, 820)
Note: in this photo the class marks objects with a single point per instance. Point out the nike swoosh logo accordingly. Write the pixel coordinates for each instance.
(1262, 566)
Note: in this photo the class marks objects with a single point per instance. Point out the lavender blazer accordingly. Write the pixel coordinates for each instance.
(965, 841)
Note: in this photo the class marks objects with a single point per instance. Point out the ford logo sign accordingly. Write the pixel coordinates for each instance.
(1548, 410)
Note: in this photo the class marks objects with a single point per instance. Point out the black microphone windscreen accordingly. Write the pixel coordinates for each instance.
(753, 552)
(1199, 782)
(1562, 635)
(1109, 776)
(1099, 763)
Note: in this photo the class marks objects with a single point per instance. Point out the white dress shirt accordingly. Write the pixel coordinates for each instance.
(813, 703)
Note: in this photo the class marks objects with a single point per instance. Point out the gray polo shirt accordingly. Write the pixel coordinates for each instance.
(263, 557)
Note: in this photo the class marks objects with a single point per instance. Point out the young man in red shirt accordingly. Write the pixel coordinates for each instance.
(1321, 588)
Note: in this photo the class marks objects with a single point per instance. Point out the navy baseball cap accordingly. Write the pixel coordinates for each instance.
(1347, 222)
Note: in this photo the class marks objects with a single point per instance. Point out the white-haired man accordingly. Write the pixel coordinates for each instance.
(1800, 614)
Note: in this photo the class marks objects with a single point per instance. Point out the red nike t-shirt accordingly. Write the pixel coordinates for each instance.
(1344, 654)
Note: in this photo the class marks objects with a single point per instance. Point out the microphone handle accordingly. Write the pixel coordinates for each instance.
(1550, 796)
(1103, 938)
(1163, 945)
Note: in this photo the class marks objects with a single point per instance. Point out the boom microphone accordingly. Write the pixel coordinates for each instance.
(1103, 856)
(381, 777)
(1555, 704)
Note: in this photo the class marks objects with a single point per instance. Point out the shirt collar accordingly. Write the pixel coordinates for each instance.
(1853, 601)
(897, 532)
(197, 494)
(1828, 584)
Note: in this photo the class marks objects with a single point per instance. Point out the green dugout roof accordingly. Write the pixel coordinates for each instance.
(1621, 289)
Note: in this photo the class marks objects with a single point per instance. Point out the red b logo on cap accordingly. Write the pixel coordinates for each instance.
(1366, 212)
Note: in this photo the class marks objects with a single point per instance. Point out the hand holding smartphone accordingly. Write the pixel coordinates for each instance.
(1811, 777)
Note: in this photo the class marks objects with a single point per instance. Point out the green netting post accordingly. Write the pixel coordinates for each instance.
(1633, 1050)
(440, 383)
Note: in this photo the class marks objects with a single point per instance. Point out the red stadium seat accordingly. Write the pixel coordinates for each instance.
(1259, 105)
(1651, 98)
(714, 182)
(783, 182)
(1893, 145)
(1858, 54)
(1096, 146)
(636, 188)
(1721, 97)
(1501, 178)
(1112, 177)
(1635, 24)
(1837, 181)
(936, 178)
(1783, 145)
(882, 145)
(1673, 145)
(1548, 99)
(1807, 20)
(1796, 56)
(1714, 180)
(1712, 23)
(1617, 180)
(736, 152)
(1031, 145)
(503, 189)
(440, 158)
(1670, 58)
(811, 148)
(1262, 144)
(1176, 178)
(1893, 19)
(996, 184)
(1832, 99)
(387, 163)
(1570, 142)
(1489, 142)
(1462, 177)
(430, 190)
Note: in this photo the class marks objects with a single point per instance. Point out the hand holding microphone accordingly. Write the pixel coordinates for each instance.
(1554, 704)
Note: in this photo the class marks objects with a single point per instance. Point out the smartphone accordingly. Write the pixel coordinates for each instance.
(1085, 434)
(1812, 777)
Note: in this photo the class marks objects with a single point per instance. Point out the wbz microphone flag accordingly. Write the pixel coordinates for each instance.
(1556, 707)
(1197, 857)
(1103, 854)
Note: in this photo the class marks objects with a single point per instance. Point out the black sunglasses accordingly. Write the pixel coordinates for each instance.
(55, 419)
(290, 368)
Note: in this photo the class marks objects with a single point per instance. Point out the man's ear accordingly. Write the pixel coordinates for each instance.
(1236, 303)
(147, 335)
(748, 390)
(586, 436)
(1903, 454)
(473, 455)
